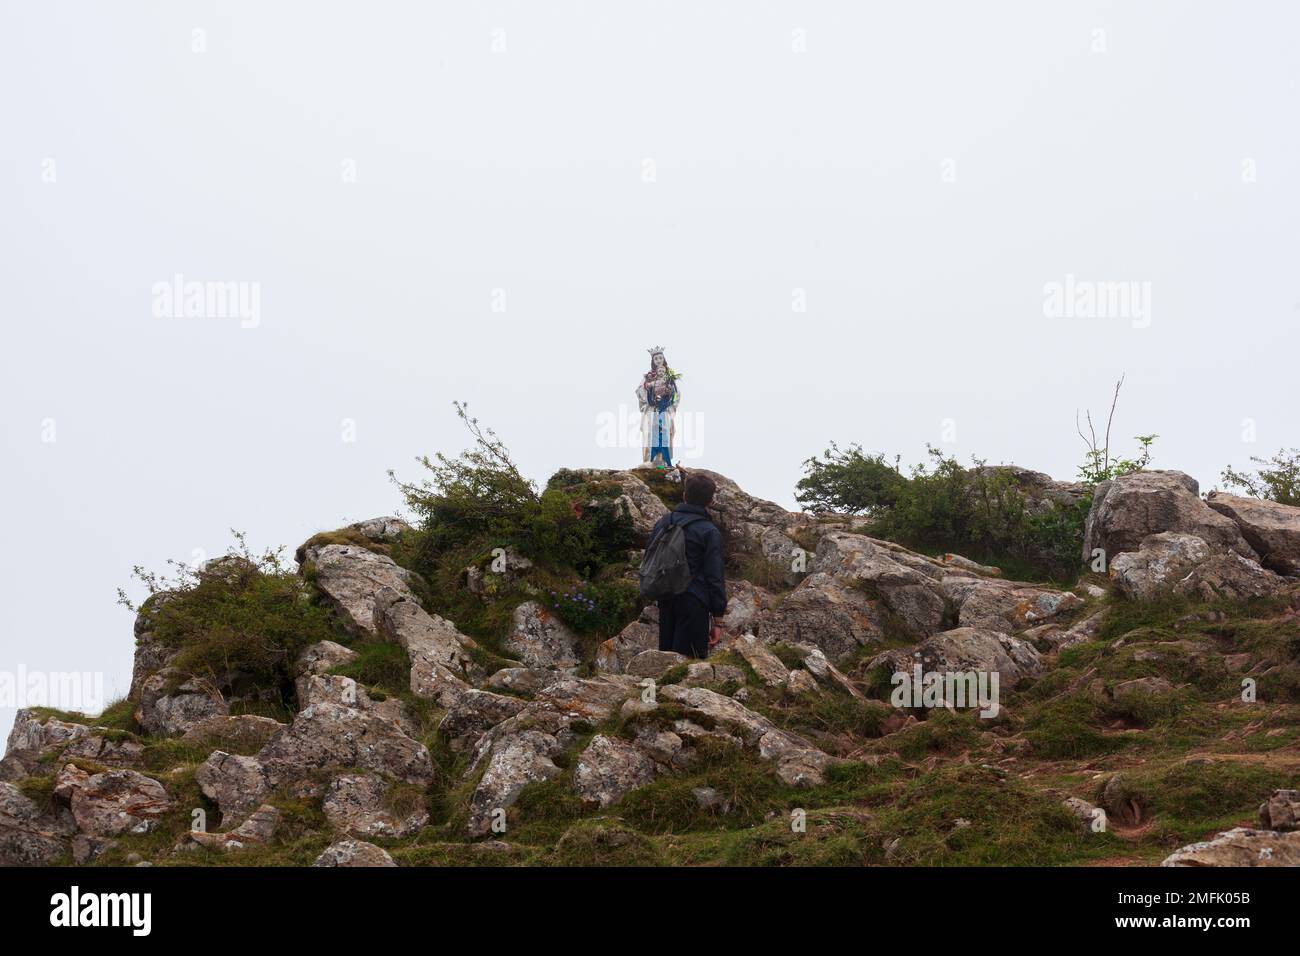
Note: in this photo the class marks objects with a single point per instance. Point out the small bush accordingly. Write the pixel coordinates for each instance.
(1278, 480)
(243, 617)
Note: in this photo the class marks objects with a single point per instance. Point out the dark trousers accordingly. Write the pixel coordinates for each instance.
(684, 626)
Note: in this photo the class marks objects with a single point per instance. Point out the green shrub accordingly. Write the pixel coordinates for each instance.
(480, 501)
(242, 618)
(978, 512)
(1278, 480)
(596, 608)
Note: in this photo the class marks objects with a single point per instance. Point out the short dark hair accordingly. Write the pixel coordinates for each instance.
(699, 490)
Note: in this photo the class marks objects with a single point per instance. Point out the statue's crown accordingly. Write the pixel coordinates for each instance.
(657, 350)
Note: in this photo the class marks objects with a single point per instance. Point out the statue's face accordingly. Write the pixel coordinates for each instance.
(658, 361)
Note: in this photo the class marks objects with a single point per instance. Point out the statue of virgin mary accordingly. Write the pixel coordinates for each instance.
(657, 396)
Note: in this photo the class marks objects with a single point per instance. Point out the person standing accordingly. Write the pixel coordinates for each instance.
(685, 624)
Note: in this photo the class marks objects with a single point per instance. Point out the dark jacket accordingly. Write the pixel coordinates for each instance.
(703, 554)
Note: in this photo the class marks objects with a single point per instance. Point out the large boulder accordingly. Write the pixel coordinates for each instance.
(318, 660)
(346, 692)
(1229, 576)
(967, 650)
(609, 768)
(329, 735)
(641, 505)
(999, 605)
(613, 655)
(245, 732)
(257, 829)
(766, 665)
(31, 835)
(858, 592)
(1126, 510)
(798, 763)
(151, 654)
(473, 714)
(655, 663)
(349, 576)
(34, 738)
(539, 639)
(171, 703)
(361, 804)
(1240, 847)
(354, 853)
(1281, 811)
(1160, 562)
(513, 762)
(441, 664)
(1270, 528)
(113, 802)
(588, 698)
(234, 783)
(746, 604)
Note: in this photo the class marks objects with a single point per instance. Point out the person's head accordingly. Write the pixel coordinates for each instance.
(657, 360)
(699, 490)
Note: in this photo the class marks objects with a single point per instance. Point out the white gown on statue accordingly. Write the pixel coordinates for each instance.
(648, 416)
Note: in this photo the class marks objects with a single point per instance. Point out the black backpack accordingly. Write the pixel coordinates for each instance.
(664, 570)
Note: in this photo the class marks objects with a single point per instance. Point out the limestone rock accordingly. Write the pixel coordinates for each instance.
(30, 835)
(319, 659)
(588, 698)
(702, 672)
(328, 735)
(654, 663)
(521, 680)
(798, 762)
(1272, 529)
(106, 749)
(609, 769)
(473, 714)
(169, 704)
(360, 804)
(816, 663)
(247, 732)
(539, 639)
(34, 737)
(349, 577)
(766, 665)
(441, 664)
(801, 682)
(1079, 632)
(1128, 509)
(1141, 689)
(746, 604)
(968, 649)
(514, 762)
(1229, 576)
(113, 802)
(1005, 605)
(354, 853)
(1240, 847)
(1160, 562)
(1084, 810)
(151, 655)
(1281, 811)
(613, 655)
(235, 784)
(259, 828)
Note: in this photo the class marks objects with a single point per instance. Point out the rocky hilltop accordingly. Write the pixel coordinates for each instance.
(500, 715)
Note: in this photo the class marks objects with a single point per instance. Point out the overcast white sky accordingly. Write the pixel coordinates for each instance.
(616, 176)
